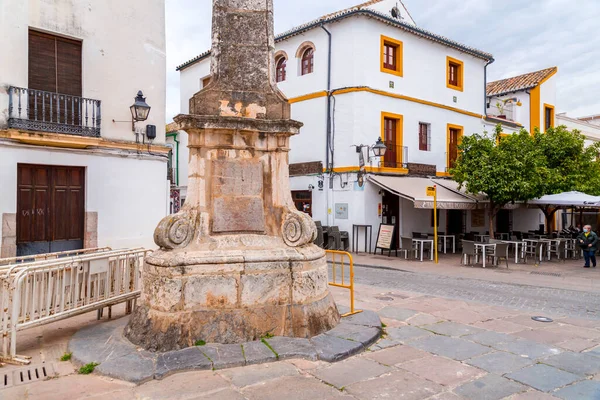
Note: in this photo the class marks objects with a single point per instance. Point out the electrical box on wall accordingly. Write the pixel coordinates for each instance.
(151, 132)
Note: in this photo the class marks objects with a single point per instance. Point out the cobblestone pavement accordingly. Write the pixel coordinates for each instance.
(434, 348)
(542, 300)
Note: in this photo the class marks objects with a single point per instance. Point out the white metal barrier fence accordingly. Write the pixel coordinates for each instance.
(50, 256)
(46, 291)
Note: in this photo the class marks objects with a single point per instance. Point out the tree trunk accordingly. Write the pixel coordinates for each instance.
(549, 214)
(493, 210)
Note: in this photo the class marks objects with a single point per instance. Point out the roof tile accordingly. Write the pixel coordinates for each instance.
(521, 82)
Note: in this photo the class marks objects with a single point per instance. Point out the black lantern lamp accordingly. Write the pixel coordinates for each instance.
(379, 148)
(140, 109)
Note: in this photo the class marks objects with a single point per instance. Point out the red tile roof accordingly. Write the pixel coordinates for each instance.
(521, 82)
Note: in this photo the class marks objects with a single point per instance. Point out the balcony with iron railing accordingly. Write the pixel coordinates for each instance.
(501, 109)
(395, 156)
(41, 111)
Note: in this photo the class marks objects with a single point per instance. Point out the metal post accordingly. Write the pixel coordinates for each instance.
(435, 225)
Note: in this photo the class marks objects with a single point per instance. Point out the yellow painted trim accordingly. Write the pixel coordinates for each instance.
(461, 130)
(461, 73)
(534, 109)
(399, 71)
(399, 135)
(550, 106)
(407, 98)
(75, 142)
(309, 96)
(535, 104)
(446, 174)
(400, 171)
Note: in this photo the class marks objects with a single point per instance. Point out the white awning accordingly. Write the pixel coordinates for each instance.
(414, 189)
(573, 199)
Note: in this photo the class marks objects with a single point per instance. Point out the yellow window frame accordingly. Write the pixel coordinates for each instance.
(399, 71)
(399, 135)
(551, 107)
(461, 130)
(461, 73)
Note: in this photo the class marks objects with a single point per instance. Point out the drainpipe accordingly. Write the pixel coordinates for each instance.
(328, 167)
(485, 87)
(174, 136)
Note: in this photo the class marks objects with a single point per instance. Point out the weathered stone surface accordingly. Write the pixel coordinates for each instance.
(452, 329)
(257, 353)
(215, 291)
(191, 358)
(457, 349)
(581, 390)
(350, 371)
(365, 318)
(528, 349)
(224, 355)
(397, 385)
(356, 333)
(544, 377)
(406, 333)
(392, 312)
(500, 362)
(331, 348)
(577, 363)
(133, 367)
(292, 348)
(250, 375)
(490, 387)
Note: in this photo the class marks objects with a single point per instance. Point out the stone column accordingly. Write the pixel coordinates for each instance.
(237, 262)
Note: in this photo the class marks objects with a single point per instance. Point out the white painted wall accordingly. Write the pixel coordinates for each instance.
(129, 194)
(123, 51)
(590, 131)
(190, 82)
(548, 96)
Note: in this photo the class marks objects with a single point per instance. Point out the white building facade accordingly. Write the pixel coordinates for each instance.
(74, 172)
(365, 73)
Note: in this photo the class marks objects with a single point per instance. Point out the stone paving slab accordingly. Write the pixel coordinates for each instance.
(250, 375)
(452, 329)
(291, 387)
(579, 391)
(351, 371)
(500, 362)
(527, 348)
(396, 355)
(457, 349)
(544, 377)
(398, 313)
(397, 385)
(118, 358)
(491, 338)
(490, 387)
(406, 334)
(442, 371)
(577, 363)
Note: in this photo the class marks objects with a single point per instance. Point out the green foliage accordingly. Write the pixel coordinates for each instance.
(88, 368)
(268, 335)
(199, 343)
(521, 167)
(66, 357)
(571, 165)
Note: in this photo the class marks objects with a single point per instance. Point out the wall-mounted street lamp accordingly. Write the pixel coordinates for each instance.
(378, 150)
(139, 112)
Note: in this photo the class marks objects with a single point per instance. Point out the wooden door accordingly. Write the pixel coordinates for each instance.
(454, 136)
(391, 155)
(50, 208)
(455, 222)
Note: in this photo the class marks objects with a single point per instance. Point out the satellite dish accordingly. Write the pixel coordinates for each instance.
(395, 12)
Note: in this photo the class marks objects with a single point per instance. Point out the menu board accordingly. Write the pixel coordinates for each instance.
(385, 237)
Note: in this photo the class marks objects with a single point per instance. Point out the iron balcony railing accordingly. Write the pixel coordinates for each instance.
(37, 110)
(395, 156)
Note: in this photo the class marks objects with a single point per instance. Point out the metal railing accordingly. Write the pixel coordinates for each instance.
(38, 110)
(42, 292)
(50, 256)
(338, 259)
(391, 160)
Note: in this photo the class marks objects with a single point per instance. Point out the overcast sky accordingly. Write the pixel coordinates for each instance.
(523, 36)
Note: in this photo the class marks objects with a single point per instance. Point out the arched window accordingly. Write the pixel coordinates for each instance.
(280, 69)
(308, 58)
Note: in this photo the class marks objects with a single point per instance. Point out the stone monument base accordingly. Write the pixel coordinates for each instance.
(232, 296)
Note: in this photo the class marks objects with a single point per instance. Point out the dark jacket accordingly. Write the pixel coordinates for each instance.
(592, 239)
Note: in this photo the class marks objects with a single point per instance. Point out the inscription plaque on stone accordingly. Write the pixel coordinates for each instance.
(237, 189)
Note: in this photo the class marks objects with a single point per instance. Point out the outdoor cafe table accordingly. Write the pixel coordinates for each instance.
(421, 243)
(445, 239)
(503, 236)
(483, 247)
(481, 238)
(516, 243)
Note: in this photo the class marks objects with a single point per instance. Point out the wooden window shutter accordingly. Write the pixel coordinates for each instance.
(68, 66)
(42, 62)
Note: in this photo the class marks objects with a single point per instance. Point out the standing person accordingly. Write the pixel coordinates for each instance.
(588, 241)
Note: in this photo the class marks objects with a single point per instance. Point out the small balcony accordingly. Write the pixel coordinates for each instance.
(40, 111)
(395, 156)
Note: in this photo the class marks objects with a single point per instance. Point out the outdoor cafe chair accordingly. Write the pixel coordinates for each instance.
(500, 253)
(468, 251)
(534, 249)
(408, 246)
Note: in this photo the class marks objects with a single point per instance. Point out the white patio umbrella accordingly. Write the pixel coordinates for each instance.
(572, 199)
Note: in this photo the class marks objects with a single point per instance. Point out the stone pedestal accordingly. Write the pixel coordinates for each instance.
(237, 262)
